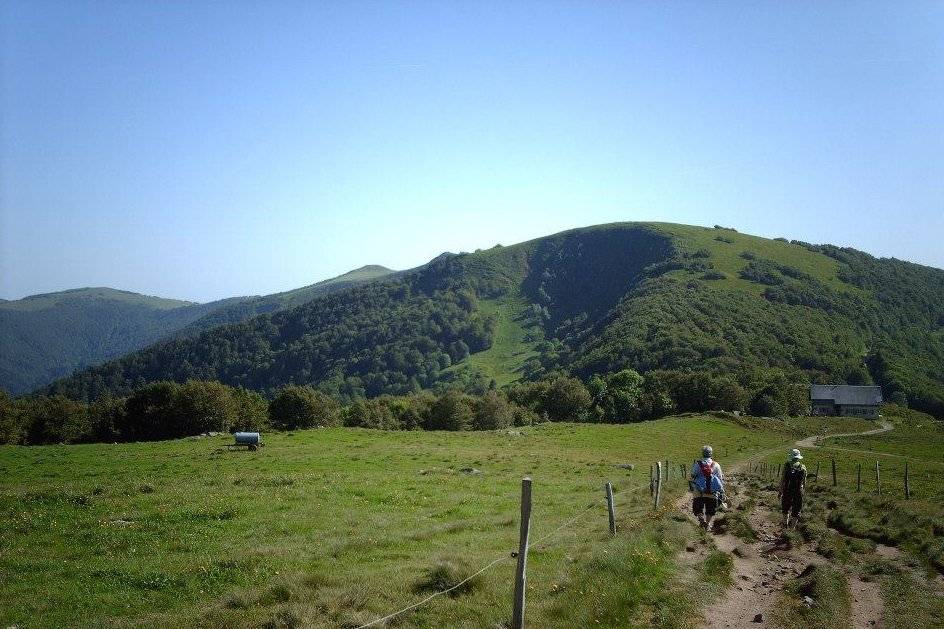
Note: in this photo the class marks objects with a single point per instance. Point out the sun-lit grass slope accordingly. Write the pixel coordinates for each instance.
(727, 249)
(334, 527)
(513, 341)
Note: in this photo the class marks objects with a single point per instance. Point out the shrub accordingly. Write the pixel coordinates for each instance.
(203, 406)
(445, 574)
(452, 411)
(252, 410)
(492, 411)
(303, 407)
(714, 275)
(376, 413)
(566, 399)
(52, 419)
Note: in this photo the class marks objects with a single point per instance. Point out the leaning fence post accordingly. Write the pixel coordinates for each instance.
(517, 617)
(816, 473)
(834, 472)
(610, 507)
(907, 484)
(878, 480)
(658, 484)
(859, 478)
(778, 470)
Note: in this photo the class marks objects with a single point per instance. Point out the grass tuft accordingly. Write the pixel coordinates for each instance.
(445, 574)
(832, 602)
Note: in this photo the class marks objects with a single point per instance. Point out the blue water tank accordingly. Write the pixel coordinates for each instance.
(247, 438)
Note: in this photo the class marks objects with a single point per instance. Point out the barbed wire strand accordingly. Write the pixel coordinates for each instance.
(435, 594)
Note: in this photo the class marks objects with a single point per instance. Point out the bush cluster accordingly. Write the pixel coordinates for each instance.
(168, 410)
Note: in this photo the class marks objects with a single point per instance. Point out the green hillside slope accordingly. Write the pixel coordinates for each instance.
(252, 306)
(44, 337)
(598, 299)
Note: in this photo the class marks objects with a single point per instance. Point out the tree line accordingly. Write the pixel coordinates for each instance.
(168, 410)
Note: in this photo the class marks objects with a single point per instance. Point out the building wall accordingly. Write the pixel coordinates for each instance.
(823, 408)
(858, 410)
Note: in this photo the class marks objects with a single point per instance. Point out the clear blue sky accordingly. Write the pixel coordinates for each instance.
(202, 150)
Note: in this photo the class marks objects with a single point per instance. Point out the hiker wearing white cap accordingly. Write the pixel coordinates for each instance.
(792, 487)
(706, 482)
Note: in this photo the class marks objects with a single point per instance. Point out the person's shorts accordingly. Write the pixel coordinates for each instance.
(708, 504)
(792, 504)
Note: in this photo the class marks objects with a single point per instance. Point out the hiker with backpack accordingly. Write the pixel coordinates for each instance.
(792, 487)
(706, 482)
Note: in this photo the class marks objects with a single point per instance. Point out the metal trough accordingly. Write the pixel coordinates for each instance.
(249, 440)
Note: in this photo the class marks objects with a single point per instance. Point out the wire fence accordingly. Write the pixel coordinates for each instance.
(544, 539)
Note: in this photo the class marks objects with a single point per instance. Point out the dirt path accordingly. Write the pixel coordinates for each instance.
(813, 441)
(762, 567)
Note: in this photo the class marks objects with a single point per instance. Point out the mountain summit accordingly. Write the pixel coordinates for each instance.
(646, 296)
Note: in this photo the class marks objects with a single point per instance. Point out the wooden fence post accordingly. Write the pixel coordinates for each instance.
(907, 483)
(658, 484)
(521, 577)
(834, 472)
(859, 478)
(778, 469)
(878, 480)
(610, 507)
(816, 473)
(682, 473)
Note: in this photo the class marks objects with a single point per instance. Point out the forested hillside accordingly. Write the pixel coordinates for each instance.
(48, 336)
(649, 297)
(45, 337)
(249, 307)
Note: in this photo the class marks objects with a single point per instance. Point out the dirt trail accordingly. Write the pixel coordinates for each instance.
(813, 441)
(762, 567)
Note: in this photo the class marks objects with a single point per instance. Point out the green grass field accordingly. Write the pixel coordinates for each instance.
(510, 348)
(726, 256)
(334, 527)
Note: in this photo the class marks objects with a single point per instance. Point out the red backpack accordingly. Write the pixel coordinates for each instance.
(706, 471)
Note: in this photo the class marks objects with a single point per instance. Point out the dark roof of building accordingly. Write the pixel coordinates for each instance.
(846, 394)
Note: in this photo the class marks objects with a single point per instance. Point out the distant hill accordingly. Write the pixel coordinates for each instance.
(44, 337)
(249, 307)
(647, 296)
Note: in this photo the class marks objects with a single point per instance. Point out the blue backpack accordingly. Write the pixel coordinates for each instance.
(707, 481)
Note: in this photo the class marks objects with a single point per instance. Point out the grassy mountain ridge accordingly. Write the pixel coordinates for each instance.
(47, 336)
(647, 296)
(48, 300)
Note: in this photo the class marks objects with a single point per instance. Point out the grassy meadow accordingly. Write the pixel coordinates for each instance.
(335, 527)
